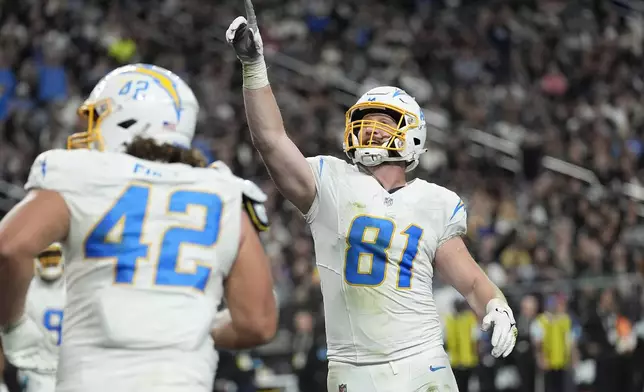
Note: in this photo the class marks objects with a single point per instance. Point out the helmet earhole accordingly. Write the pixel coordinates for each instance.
(127, 123)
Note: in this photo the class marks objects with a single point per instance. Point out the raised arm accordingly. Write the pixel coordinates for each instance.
(285, 163)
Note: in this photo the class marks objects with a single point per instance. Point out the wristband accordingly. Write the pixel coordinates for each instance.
(255, 74)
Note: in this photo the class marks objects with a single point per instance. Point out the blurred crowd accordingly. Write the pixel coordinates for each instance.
(556, 78)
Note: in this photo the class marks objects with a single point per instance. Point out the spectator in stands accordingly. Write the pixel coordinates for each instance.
(525, 356)
(462, 334)
(611, 342)
(504, 83)
(310, 359)
(555, 343)
(7, 85)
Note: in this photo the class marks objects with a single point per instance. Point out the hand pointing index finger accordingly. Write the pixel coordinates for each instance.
(250, 15)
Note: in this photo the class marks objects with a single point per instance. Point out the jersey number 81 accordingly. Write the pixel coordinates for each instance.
(376, 249)
(130, 212)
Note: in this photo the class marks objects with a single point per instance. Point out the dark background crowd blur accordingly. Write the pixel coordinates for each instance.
(536, 120)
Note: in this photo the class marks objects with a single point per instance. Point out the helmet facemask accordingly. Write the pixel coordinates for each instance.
(49, 264)
(367, 151)
(94, 114)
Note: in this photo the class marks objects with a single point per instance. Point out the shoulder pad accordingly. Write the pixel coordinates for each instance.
(253, 192)
(257, 214)
(220, 166)
(253, 200)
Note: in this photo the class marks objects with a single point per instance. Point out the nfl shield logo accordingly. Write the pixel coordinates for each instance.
(342, 388)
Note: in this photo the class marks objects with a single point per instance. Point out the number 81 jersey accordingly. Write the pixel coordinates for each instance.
(374, 251)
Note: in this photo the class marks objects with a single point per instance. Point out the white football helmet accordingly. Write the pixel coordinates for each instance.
(407, 140)
(50, 263)
(137, 100)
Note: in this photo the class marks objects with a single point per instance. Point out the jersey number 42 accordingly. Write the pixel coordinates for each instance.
(130, 211)
(375, 247)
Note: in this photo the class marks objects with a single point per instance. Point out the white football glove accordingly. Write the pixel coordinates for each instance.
(28, 347)
(243, 35)
(504, 335)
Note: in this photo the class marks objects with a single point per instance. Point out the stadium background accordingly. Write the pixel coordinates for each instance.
(536, 120)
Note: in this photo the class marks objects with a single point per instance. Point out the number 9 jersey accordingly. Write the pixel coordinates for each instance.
(149, 245)
(374, 251)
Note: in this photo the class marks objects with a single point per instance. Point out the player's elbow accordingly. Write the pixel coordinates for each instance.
(264, 144)
(255, 334)
(263, 326)
(269, 326)
(262, 335)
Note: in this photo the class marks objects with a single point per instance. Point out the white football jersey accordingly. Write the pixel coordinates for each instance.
(149, 246)
(374, 252)
(45, 304)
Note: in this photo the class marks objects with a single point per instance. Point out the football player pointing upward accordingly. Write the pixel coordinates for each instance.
(378, 238)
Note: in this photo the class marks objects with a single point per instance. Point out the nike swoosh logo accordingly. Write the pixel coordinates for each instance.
(506, 312)
(437, 368)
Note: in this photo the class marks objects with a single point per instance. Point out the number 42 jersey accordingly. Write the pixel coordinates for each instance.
(147, 251)
(374, 252)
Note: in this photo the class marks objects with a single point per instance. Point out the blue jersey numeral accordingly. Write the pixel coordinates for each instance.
(376, 249)
(129, 212)
(134, 87)
(53, 321)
